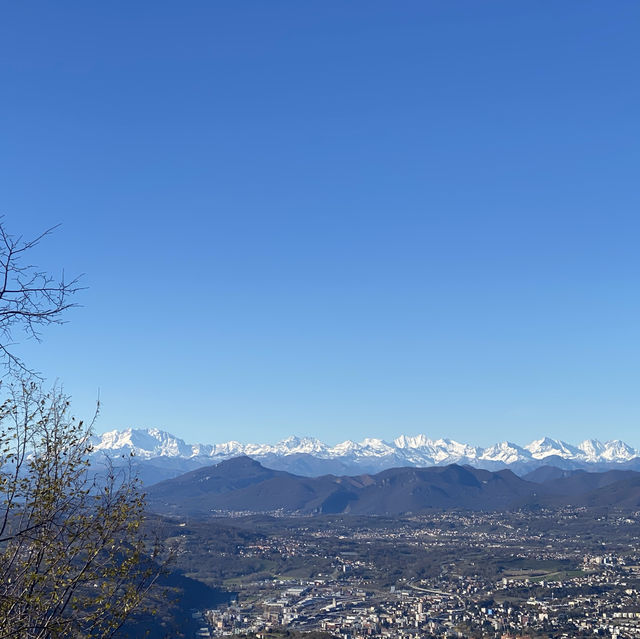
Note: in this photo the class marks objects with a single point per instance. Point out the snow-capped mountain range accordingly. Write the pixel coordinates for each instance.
(159, 455)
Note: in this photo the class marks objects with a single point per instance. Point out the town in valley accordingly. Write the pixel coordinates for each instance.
(547, 572)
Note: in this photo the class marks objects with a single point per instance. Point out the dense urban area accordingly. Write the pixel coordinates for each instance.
(545, 572)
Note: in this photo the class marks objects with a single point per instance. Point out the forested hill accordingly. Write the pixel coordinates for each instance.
(244, 485)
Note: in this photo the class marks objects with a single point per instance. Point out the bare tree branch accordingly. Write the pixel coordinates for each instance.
(30, 299)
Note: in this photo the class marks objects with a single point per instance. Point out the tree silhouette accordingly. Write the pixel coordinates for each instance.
(29, 298)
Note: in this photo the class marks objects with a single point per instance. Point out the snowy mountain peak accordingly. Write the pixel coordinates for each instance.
(591, 448)
(295, 444)
(417, 441)
(545, 447)
(618, 450)
(417, 450)
(346, 447)
(143, 442)
(504, 452)
(377, 445)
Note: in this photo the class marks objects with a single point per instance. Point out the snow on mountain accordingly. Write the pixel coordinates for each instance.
(369, 454)
(418, 441)
(346, 448)
(592, 449)
(228, 449)
(545, 447)
(375, 447)
(420, 448)
(308, 445)
(145, 443)
(504, 452)
(447, 449)
(615, 450)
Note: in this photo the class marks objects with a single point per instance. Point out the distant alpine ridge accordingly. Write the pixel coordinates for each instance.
(158, 455)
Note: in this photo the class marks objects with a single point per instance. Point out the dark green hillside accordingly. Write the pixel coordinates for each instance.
(243, 485)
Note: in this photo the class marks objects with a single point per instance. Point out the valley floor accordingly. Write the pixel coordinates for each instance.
(553, 573)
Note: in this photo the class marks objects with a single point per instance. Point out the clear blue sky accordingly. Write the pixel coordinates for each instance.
(336, 219)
